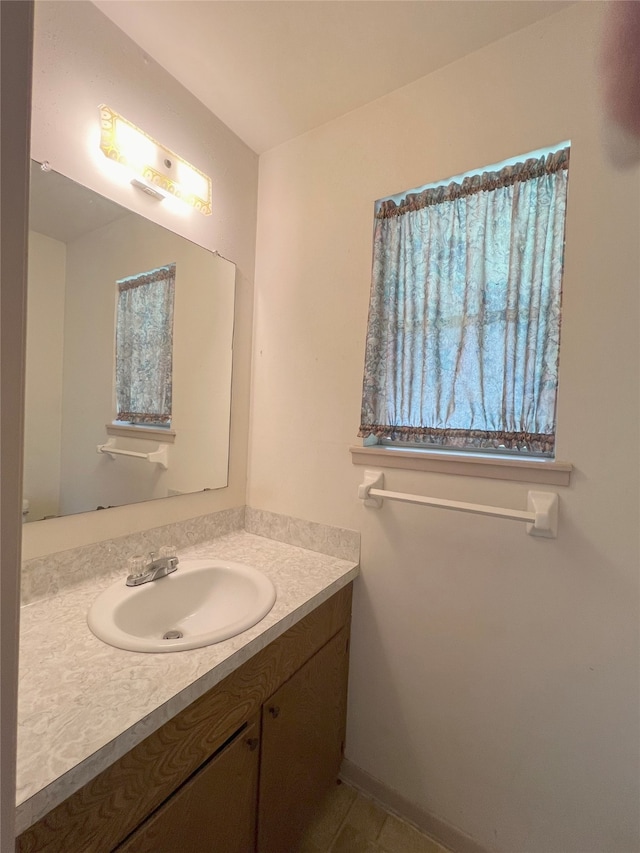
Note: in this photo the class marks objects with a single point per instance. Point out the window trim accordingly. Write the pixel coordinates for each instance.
(491, 466)
(167, 436)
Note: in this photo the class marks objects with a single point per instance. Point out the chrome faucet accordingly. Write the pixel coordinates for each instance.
(160, 564)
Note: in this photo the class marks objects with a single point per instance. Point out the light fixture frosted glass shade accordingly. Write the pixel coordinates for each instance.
(123, 142)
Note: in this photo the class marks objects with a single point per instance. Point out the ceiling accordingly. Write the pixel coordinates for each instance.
(64, 210)
(274, 69)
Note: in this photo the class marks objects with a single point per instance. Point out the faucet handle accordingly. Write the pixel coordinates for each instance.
(167, 551)
(136, 566)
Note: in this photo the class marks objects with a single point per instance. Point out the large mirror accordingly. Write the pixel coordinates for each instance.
(80, 246)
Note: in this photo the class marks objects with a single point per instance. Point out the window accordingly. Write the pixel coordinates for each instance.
(464, 318)
(144, 347)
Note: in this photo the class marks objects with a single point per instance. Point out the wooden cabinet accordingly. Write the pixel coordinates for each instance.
(238, 771)
(302, 744)
(214, 810)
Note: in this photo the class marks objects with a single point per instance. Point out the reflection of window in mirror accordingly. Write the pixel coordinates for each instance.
(144, 347)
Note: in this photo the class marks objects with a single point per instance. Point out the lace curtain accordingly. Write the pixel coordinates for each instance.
(144, 346)
(464, 318)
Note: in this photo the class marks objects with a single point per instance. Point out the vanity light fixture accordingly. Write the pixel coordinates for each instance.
(156, 170)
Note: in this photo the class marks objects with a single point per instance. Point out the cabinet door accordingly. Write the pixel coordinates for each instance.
(303, 727)
(213, 812)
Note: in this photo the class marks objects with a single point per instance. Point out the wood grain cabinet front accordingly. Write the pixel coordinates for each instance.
(214, 810)
(238, 771)
(303, 727)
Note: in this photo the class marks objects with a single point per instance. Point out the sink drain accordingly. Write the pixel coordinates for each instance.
(172, 635)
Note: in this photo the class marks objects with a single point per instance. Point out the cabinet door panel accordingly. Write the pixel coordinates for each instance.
(303, 727)
(214, 812)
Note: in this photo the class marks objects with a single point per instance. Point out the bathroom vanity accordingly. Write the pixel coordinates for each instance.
(240, 767)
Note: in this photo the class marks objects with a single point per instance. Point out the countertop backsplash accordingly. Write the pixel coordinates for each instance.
(333, 541)
(46, 576)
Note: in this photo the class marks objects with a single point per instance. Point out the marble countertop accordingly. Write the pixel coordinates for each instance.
(84, 704)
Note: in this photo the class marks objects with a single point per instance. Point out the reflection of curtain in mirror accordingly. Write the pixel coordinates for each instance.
(144, 346)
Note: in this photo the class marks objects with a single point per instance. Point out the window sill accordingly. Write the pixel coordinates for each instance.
(166, 436)
(496, 468)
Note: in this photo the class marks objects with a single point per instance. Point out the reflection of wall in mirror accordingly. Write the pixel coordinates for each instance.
(201, 371)
(43, 382)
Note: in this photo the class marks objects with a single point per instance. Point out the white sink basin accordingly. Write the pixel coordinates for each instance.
(204, 601)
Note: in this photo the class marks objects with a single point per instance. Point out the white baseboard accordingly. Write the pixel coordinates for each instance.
(392, 801)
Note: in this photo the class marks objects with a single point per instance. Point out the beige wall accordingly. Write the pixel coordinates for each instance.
(80, 61)
(43, 380)
(494, 676)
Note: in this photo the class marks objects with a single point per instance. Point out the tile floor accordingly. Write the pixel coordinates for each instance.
(349, 822)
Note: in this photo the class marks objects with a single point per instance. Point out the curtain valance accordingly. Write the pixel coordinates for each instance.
(486, 181)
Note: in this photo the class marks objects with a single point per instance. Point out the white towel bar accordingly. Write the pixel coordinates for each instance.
(158, 456)
(541, 516)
